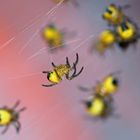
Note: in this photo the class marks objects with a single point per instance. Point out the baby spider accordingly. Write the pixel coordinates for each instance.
(114, 14)
(128, 33)
(9, 116)
(55, 76)
(105, 41)
(100, 107)
(53, 36)
(107, 87)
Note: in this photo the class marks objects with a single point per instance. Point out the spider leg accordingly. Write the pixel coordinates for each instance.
(74, 67)
(48, 85)
(77, 59)
(17, 126)
(53, 65)
(5, 130)
(75, 75)
(78, 72)
(22, 109)
(45, 72)
(16, 104)
(67, 62)
(84, 88)
(67, 75)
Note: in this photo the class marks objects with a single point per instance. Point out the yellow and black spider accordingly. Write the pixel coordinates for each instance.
(114, 15)
(128, 33)
(53, 36)
(107, 87)
(100, 107)
(9, 116)
(55, 76)
(106, 40)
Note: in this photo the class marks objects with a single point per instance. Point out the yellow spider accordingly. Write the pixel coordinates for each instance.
(106, 40)
(108, 86)
(9, 116)
(128, 33)
(53, 36)
(114, 14)
(100, 107)
(55, 76)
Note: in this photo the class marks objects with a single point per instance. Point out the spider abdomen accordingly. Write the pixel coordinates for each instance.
(62, 70)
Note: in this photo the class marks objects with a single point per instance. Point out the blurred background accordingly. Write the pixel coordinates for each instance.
(56, 113)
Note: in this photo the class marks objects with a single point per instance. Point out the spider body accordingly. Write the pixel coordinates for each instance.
(62, 70)
(106, 41)
(53, 36)
(105, 88)
(56, 75)
(99, 107)
(128, 33)
(114, 14)
(108, 86)
(10, 116)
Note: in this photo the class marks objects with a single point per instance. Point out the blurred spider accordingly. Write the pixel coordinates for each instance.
(107, 87)
(55, 76)
(53, 36)
(106, 41)
(9, 116)
(114, 14)
(100, 107)
(128, 33)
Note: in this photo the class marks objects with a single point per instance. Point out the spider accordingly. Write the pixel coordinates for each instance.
(106, 87)
(9, 116)
(56, 75)
(53, 36)
(100, 107)
(128, 33)
(114, 14)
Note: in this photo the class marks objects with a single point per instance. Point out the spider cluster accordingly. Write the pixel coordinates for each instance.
(9, 116)
(100, 105)
(122, 32)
